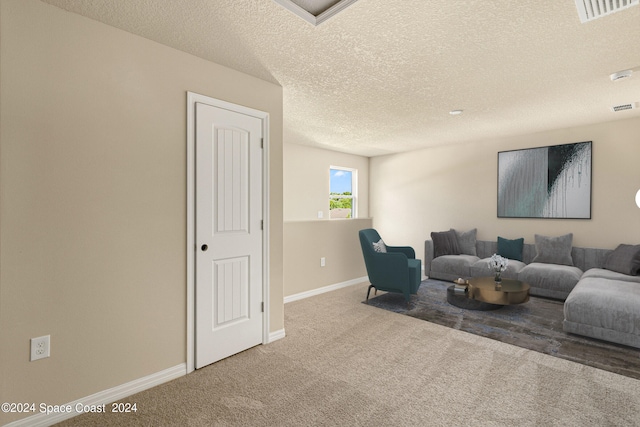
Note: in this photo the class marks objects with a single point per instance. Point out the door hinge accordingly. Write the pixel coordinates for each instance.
(262, 307)
(262, 224)
(261, 142)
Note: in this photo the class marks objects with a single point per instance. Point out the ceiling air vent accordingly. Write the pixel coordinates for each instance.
(620, 75)
(623, 107)
(594, 9)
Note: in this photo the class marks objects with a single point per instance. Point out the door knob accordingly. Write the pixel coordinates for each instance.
(204, 248)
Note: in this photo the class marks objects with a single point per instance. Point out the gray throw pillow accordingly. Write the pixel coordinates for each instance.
(467, 241)
(554, 250)
(624, 259)
(445, 243)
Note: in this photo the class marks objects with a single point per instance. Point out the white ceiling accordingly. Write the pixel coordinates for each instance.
(382, 75)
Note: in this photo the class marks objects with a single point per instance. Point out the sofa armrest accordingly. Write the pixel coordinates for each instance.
(428, 256)
(407, 250)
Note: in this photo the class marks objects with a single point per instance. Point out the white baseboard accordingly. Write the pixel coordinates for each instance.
(324, 289)
(104, 397)
(276, 335)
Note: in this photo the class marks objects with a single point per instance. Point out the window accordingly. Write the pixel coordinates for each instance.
(343, 192)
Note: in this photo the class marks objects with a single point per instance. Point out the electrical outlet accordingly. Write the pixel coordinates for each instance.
(323, 262)
(320, 214)
(40, 347)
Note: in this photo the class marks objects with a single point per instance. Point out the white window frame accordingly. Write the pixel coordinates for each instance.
(354, 189)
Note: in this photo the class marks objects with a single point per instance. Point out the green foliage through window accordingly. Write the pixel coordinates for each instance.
(342, 192)
(337, 202)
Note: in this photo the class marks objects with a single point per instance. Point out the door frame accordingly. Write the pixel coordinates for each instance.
(192, 99)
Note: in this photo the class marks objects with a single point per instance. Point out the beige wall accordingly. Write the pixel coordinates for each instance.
(306, 238)
(306, 181)
(305, 242)
(93, 200)
(435, 189)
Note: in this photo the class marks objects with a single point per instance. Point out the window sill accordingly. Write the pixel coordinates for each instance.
(327, 220)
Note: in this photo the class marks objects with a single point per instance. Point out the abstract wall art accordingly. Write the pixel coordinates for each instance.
(545, 182)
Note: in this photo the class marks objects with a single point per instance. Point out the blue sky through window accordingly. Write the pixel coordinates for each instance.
(340, 181)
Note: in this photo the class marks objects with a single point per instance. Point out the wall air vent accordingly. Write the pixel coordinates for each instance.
(594, 9)
(624, 107)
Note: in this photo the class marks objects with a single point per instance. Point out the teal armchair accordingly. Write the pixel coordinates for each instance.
(396, 270)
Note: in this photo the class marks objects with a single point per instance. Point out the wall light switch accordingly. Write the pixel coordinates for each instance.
(320, 214)
(323, 262)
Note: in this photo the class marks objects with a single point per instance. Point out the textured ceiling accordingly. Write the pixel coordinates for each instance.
(382, 75)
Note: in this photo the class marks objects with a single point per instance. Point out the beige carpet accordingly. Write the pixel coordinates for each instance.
(344, 363)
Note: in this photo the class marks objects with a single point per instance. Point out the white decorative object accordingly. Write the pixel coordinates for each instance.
(498, 264)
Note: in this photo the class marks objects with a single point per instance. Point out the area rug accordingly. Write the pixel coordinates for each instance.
(535, 325)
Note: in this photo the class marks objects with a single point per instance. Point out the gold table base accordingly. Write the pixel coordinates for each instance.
(506, 292)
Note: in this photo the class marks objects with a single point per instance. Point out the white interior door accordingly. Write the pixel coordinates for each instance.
(228, 288)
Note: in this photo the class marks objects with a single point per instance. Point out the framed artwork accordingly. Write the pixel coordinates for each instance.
(545, 182)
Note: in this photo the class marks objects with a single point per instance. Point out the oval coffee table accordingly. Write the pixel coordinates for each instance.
(484, 294)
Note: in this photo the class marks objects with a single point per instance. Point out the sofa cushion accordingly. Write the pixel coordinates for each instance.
(554, 250)
(450, 267)
(550, 280)
(605, 307)
(379, 246)
(602, 273)
(467, 241)
(481, 268)
(511, 249)
(624, 259)
(445, 243)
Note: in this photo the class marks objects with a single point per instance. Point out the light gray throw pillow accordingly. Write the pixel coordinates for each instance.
(554, 250)
(467, 241)
(380, 247)
(624, 259)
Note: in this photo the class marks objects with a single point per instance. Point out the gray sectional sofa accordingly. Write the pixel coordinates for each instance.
(599, 302)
